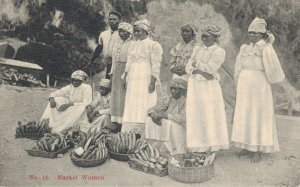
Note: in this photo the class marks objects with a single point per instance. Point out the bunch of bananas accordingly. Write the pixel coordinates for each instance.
(149, 156)
(33, 128)
(96, 151)
(51, 143)
(124, 143)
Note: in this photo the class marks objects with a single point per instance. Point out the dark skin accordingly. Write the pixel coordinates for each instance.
(255, 37)
(187, 35)
(91, 114)
(141, 34)
(156, 117)
(113, 22)
(208, 40)
(76, 83)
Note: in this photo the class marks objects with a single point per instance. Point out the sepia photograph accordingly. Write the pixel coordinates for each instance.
(150, 93)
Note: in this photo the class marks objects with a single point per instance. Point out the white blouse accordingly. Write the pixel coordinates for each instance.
(260, 56)
(145, 51)
(77, 95)
(206, 59)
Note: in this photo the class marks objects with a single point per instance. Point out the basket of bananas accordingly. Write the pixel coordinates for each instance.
(91, 150)
(148, 159)
(122, 145)
(33, 129)
(93, 155)
(50, 146)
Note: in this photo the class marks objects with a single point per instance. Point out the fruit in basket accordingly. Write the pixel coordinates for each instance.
(33, 128)
(146, 157)
(51, 142)
(78, 152)
(125, 143)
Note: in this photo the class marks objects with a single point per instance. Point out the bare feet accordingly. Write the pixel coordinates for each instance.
(256, 157)
(243, 153)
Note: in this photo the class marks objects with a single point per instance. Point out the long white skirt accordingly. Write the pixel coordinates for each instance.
(206, 120)
(138, 100)
(60, 121)
(254, 125)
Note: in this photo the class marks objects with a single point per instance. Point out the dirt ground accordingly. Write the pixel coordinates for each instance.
(18, 168)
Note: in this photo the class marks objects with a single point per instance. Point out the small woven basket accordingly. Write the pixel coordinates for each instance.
(86, 163)
(190, 174)
(45, 154)
(119, 156)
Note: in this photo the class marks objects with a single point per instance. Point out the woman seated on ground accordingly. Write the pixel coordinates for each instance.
(166, 122)
(98, 111)
(66, 106)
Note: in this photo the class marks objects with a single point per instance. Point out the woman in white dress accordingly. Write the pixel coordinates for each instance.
(142, 73)
(205, 111)
(257, 66)
(67, 106)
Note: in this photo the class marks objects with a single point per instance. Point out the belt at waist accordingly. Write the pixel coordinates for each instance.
(252, 69)
(120, 62)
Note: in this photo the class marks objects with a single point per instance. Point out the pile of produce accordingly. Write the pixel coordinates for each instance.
(33, 128)
(124, 143)
(51, 143)
(194, 159)
(77, 138)
(91, 145)
(148, 156)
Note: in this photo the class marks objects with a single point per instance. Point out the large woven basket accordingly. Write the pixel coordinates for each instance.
(190, 174)
(119, 156)
(45, 154)
(86, 163)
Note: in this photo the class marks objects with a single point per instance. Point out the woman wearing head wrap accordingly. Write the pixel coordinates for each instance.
(166, 121)
(206, 120)
(66, 106)
(98, 111)
(257, 66)
(141, 72)
(182, 51)
(119, 59)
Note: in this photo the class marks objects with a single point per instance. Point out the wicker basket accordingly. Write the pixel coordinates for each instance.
(190, 174)
(45, 154)
(86, 163)
(119, 156)
(146, 169)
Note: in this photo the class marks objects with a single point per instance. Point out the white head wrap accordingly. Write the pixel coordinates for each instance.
(79, 74)
(126, 26)
(105, 83)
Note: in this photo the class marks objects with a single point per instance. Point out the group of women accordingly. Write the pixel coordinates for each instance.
(136, 63)
(257, 66)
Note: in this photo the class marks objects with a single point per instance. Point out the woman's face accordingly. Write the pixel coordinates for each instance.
(208, 39)
(187, 34)
(103, 91)
(176, 92)
(76, 82)
(139, 33)
(124, 35)
(254, 36)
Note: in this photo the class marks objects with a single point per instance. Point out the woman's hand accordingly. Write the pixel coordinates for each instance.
(64, 107)
(52, 102)
(204, 74)
(89, 109)
(151, 87)
(124, 85)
